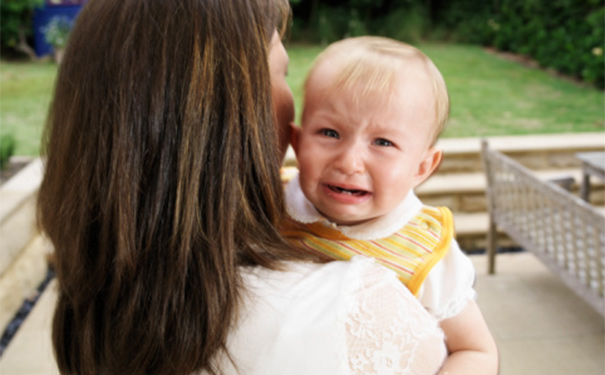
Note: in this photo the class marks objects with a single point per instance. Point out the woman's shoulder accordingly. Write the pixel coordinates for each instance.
(299, 280)
(308, 286)
(310, 318)
(291, 321)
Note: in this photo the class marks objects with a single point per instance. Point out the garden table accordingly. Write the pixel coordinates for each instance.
(593, 163)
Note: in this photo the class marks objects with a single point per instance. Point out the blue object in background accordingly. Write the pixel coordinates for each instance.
(42, 16)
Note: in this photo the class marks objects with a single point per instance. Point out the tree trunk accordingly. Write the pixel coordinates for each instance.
(24, 47)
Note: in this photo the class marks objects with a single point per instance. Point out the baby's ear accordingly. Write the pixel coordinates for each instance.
(428, 165)
(294, 136)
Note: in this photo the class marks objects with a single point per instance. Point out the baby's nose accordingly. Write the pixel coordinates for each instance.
(350, 160)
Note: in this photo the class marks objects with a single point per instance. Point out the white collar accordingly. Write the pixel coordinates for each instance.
(303, 211)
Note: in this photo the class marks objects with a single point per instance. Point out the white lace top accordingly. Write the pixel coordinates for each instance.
(338, 318)
(449, 285)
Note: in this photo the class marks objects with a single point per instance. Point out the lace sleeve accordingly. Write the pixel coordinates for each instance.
(387, 330)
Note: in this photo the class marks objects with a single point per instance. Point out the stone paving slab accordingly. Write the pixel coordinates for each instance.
(30, 351)
(541, 327)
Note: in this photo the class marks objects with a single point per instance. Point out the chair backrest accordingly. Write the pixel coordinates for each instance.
(565, 232)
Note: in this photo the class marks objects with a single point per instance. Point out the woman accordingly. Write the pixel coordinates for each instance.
(162, 197)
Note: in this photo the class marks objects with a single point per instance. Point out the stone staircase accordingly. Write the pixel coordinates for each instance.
(460, 182)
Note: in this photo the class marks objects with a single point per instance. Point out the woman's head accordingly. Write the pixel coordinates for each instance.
(162, 177)
(283, 101)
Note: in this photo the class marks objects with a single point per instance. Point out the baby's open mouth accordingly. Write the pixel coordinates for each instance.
(356, 193)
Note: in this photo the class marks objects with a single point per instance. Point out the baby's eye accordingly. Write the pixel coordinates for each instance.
(329, 133)
(383, 142)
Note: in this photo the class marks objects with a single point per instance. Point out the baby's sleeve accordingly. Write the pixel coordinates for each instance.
(449, 285)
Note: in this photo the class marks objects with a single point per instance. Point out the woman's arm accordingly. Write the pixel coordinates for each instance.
(471, 347)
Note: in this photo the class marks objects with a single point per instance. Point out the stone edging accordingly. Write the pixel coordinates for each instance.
(23, 263)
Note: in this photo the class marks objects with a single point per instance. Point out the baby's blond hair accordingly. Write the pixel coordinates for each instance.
(370, 64)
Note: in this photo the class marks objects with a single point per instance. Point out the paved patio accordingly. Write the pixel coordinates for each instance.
(541, 327)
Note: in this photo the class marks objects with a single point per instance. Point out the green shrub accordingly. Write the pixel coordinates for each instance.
(331, 24)
(328, 21)
(469, 21)
(7, 149)
(355, 25)
(566, 35)
(16, 25)
(405, 24)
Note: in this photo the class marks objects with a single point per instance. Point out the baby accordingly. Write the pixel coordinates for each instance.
(374, 108)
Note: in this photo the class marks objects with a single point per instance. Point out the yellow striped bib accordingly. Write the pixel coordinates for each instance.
(411, 252)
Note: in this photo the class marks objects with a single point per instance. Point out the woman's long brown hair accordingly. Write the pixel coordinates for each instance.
(161, 180)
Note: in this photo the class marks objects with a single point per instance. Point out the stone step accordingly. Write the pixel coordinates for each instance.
(526, 143)
(471, 231)
(544, 151)
(471, 224)
(465, 192)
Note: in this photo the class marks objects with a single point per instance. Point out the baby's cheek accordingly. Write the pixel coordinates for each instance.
(306, 176)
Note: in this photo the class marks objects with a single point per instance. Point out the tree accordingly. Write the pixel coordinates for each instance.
(16, 25)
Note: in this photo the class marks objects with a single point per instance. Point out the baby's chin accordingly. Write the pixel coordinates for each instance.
(346, 220)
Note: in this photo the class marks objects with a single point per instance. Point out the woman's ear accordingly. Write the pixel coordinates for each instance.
(429, 164)
(294, 136)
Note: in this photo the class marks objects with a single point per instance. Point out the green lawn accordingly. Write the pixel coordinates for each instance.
(489, 96)
(493, 96)
(25, 92)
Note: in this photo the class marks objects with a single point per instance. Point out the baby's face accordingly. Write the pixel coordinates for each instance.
(358, 161)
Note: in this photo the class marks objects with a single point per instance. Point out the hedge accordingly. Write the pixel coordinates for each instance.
(566, 35)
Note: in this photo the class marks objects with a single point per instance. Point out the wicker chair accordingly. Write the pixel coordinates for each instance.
(563, 231)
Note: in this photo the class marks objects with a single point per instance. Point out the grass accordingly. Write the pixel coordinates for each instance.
(301, 58)
(489, 96)
(493, 96)
(25, 93)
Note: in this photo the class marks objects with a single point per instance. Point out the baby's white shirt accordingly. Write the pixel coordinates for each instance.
(448, 286)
